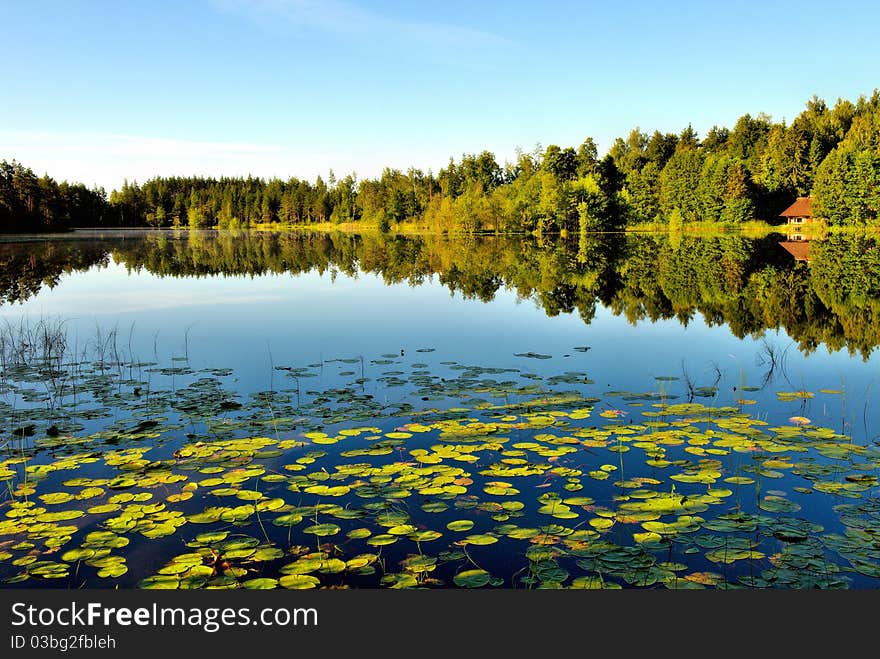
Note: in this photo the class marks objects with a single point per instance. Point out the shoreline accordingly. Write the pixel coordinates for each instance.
(755, 228)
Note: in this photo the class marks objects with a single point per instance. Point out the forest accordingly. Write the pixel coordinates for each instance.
(729, 176)
(30, 203)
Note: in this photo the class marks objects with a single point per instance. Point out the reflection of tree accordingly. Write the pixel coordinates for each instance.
(750, 285)
(845, 275)
(25, 268)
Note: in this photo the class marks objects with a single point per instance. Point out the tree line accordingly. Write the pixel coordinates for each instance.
(32, 203)
(752, 171)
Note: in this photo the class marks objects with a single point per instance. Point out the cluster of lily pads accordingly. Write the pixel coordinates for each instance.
(150, 476)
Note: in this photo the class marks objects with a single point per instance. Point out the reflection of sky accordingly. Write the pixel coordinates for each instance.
(239, 322)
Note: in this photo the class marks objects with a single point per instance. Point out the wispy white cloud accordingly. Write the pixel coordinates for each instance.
(106, 159)
(347, 18)
(124, 145)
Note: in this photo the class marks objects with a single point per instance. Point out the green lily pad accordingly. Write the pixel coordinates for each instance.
(322, 530)
(299, 582)
(472, 579)
(460, 525)
(481, 539)
(262, 583)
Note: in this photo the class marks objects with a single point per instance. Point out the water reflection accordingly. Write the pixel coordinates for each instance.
(821, 291)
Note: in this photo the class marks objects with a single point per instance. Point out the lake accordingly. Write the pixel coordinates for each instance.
(301, 410)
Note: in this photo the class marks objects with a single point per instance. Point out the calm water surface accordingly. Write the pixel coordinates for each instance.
(326, 333)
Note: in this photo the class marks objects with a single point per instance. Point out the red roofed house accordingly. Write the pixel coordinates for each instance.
(799, 213)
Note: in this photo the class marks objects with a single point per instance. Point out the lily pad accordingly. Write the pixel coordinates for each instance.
(472, 578)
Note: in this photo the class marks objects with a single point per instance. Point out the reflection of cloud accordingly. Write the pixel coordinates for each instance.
(104, 303)
(350, 19)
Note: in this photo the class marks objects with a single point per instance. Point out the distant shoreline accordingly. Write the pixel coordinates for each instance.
(754, 228)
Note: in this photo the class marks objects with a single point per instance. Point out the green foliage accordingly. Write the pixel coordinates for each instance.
(29, 203)
(847, 189)
(561, 163)
(724, 190)
(679, 184)
(643, 189)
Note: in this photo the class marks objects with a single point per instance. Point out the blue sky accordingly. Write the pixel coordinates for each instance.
(96, 91)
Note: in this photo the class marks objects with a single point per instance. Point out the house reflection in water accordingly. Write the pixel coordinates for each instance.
(798, 245)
